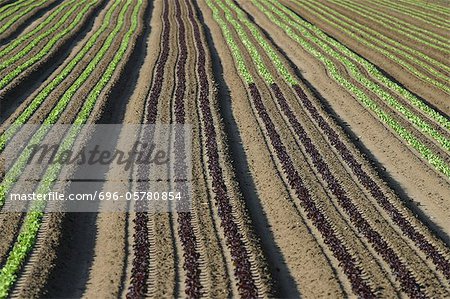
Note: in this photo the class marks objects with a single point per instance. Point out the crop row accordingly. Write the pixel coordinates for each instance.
(346, 155)
(48, 47)
(380, 245)
(239, 254)
(47, 90)
(393, 24)
(37, 38)
(286, 24)
(419, 15)
(32, 222)
(372, 69)
(359, 76)
(141, 246)
(23, 38)
(16, 170)
(320, 221)
(377, 37)
(19, 15)
(400, 270)
(442, 9)
(11, 8)
(9, 5)
(186, 229)
(370, 38)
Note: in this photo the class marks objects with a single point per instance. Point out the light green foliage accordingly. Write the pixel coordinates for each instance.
(253, 51)
(286, 24)
(394, 24)
(32, 45)
(44, 93)
(364, 38)
(302, 26)
(21, 13)
(33, 220)
(8, 9)
(239, 60)
(263, 43)
(47, 48)
(419, 15)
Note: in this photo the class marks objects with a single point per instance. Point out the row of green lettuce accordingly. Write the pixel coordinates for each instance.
(391, 49)
(278, 15)
(48, 46)
(62, 75)
(21, 12)
(420, 14)
(335, 49)
(396, 25)
(33, 220)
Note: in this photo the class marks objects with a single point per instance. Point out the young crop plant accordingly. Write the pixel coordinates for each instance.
(33, 33)
(56, 112)
(16, 17)
(43, 94)
(33, 220)
(34, 43)
(47, 48)
(420, 15)
(413, 32)
(372, 69)
(424, 151)
(253, 51)
(358, 34)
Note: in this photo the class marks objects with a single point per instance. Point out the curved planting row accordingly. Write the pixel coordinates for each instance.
(431, 6)
(369, 84)
(322, 39)
(18, 167)
(141, 244)
(16, 17)
(48, 46)
(47, 90)
(185, 230)
(10, 9)
(391, 49)
(33, 220)
(349, 263)
(9, 48)
(403, 28)
(368, 183)
(406, 279)
(33, 43)
(435, 160)
(419, 15)
(242, 265)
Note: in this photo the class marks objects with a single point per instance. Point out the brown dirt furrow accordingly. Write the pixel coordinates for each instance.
(45, 108)
(418, 86)
(311, 181)
(66, 264)
(398, 97)
(404, 39)
(349, 184)
(370, 136)
(311, 15)
(23, 85)
(431, 143)
(113, 279)
(297, 259)
(23, 22)
(405, 17)
(215, 275)
(344, 176)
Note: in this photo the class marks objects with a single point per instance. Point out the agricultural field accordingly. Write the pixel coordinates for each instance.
(319, 162)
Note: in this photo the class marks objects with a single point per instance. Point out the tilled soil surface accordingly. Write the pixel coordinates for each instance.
(298, 190)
